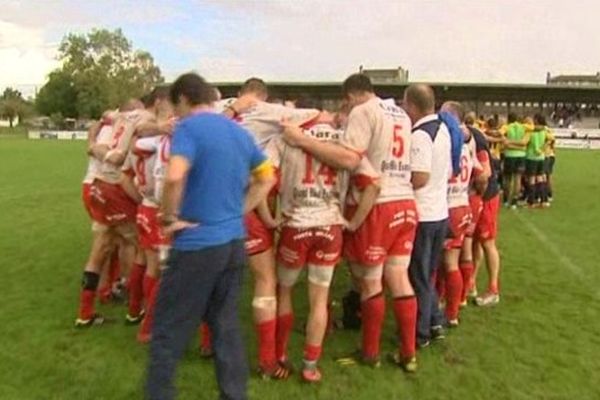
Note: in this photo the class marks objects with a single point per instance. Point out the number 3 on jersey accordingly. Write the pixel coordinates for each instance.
(324, 171)
(398, 145)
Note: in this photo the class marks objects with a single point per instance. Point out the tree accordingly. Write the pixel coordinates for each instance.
(12, 105)
(100, 70)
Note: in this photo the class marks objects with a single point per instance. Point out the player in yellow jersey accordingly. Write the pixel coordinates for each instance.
(550, 153)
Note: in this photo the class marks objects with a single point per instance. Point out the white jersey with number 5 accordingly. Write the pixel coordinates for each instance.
(381, 131)
(311, 193)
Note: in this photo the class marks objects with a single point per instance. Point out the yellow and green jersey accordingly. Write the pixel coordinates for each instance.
(515, 131)
(536, 147)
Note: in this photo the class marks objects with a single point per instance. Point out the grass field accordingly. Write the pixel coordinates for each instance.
(541, 342)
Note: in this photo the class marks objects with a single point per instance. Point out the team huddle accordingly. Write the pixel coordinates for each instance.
(407, 196)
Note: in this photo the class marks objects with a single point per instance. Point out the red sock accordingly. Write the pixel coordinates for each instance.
(285, 324)
(87, 299)
(150, 292)
(405, 311)
(373, 313)
(205, 336)
(135, 287)
(466, 271)
(312, 352)
(440, 282)
(266, 332)
(493, 287)
(454, 289)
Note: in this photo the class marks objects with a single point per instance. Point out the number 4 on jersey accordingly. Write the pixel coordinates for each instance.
(324, 171)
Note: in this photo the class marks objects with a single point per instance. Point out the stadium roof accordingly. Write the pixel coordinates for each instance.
(444, 91)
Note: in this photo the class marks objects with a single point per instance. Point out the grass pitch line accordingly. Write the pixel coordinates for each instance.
(552, 248)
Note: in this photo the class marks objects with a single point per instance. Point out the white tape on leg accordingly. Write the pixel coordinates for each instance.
(287, 276)
(265, 303)
(320, 275)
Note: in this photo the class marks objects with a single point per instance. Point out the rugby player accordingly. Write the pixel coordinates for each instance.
(379, 250)
(478, 187)
(535, 160)
(550, 160)
(99, 132)
(459, 217)
(112, 209)
(263, 120)
(311, 198)
(517, 138)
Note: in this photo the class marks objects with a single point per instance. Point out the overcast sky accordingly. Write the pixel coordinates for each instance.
(452, 40)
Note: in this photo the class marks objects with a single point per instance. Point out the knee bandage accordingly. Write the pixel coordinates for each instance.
(362, 272)
(287, 276)
(397, 262)
(97, 227)
(320, 275)
(265, 303)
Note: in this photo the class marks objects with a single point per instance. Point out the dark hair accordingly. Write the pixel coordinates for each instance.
(539, 119)
(254, 85)
(492, 123)
(512, 117)
(305, 101)
(158, 93)
(194, 88)
(357, 83)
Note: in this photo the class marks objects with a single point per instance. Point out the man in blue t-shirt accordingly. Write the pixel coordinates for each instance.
(207, 191)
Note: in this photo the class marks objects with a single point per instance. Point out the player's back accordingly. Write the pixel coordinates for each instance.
(458, 185)
(389, 147)
(311, 192)
(264, 119)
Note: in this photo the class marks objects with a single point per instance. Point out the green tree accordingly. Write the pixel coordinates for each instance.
(12, 105)
(100, 70)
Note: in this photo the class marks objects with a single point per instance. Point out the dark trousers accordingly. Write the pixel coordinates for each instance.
(197, 285)
(426, 256)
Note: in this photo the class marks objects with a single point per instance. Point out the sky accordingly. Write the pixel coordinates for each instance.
(491, 41)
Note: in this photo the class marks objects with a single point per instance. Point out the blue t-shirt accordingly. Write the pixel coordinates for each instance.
(222, 155)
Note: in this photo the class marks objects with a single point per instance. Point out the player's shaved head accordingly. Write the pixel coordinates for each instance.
(255, 86)
(455, 108)
(131, 104)
(419, 101)
(422, 97)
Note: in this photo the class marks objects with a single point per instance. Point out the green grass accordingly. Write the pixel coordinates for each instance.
(541, 342)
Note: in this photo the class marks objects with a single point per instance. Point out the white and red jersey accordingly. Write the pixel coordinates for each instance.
(264, 119)
(460, 186)
(94, 164)
(160, 166)
(381, 131)
(311, 193)
(120, 140)
(365, 175)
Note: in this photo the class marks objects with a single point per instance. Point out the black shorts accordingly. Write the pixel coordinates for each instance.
(514, 165)
(534, 167)
(549, 165)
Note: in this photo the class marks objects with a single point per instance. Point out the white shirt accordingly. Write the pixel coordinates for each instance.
(381, 131)
(433, 157)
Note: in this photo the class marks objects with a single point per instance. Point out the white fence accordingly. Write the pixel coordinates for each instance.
(588, 139)
(61, 135)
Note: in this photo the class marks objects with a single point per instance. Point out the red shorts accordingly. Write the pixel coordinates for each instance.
(317, 246)
(149, 233)
(487, 227)
(260, 238)
(389, 230)
(476, 204)
(110, 205)
(86, 196)
(459, 221)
